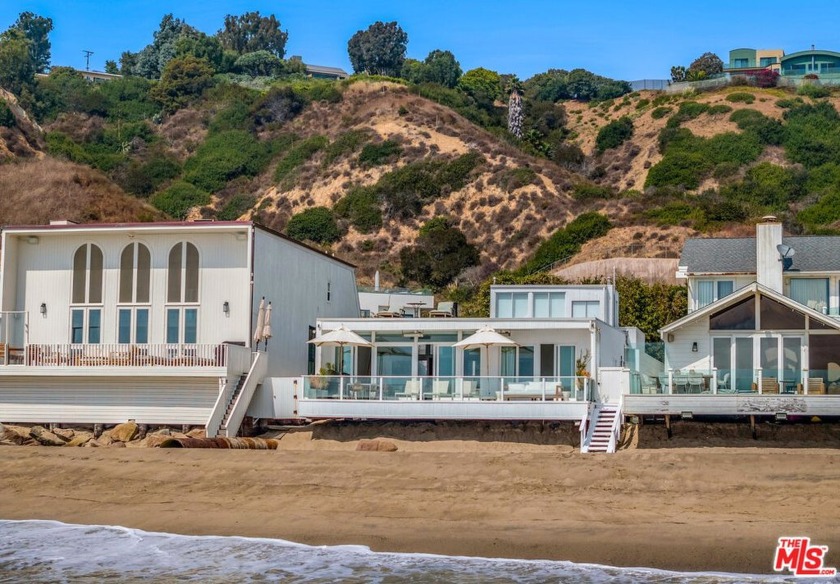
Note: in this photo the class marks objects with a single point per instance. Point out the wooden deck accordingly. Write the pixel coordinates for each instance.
(732, 405)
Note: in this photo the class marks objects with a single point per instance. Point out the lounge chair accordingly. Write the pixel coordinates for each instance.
(650, 384)
(440, 388)
(411, 391)
(444, 310)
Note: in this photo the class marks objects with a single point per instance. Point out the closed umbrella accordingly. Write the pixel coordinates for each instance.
(258, 330)
(266, 332)
(340, 337)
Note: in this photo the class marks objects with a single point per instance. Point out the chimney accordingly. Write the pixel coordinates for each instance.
(768, 264)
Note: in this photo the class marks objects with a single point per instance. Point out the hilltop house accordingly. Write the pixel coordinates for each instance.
(824, 64)
(156, 322)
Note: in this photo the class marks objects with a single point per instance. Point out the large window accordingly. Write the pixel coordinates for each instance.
(87, 275)
(512, 305)
(812, 292)
(709, 291)
(181, 325)
(517, 361)
(135, 271)
(133, 325)
(549, 304)
(586, 309)
(767, 61)
(738, 317)
(86, 325)
(183, 274)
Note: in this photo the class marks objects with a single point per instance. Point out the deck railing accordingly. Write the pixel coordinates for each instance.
(397, 388)
(124, 355)
(734, 381)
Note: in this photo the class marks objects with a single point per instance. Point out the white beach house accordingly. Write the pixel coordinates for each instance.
(762, 334)
(540, 355)
(157, 322)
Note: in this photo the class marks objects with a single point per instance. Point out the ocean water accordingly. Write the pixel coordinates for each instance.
(49, 551)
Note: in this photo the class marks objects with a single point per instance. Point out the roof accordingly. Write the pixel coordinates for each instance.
(809, 53)
(320, 69)
(739, 295)
(165, 225)
(815, 253)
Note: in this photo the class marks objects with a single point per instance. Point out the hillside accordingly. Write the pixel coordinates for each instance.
(382, 161)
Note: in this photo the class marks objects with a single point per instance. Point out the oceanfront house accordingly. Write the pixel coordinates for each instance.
(540, 354)
(162, 323)
(762, 334)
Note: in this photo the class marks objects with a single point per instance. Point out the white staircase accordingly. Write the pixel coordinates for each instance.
(233, 400)
(603, 432)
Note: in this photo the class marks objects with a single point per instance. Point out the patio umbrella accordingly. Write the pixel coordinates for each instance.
(266, 331)
(340, 337)
(258, 330)
(485, 337)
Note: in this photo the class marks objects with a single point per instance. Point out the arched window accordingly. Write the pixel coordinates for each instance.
(182, 288)
(86, 321)
(135, 272)
(183, 273)
(135, 278)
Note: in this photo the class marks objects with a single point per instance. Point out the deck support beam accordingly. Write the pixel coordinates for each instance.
(668, 425)
(752, 427)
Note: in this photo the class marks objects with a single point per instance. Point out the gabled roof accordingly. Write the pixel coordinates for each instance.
(814, 253)
(739, 295)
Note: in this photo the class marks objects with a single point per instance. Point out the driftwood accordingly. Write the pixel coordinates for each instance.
(227, 443)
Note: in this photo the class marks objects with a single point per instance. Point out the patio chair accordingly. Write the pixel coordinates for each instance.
(412, 389)
(650, 384)
(696, 383)
(443, 310)
(470, 389)
(680, 384)
(725, 384)
(440, 388)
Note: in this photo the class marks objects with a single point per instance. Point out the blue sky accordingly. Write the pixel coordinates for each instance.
(619, 39)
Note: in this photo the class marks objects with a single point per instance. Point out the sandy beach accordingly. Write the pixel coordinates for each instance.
(683, 508)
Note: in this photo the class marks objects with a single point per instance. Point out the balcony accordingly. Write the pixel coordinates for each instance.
(116, 355)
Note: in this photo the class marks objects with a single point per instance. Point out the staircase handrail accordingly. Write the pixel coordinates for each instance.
(243, 400)
(584, 427)
(217, 414)
(615, 430)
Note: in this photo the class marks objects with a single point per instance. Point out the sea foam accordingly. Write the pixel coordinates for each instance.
(49, 551)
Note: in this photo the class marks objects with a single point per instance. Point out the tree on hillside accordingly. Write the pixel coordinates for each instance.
(483, 85)
(379, 50)
(36, 29)
(705, 65)
(443, 68)
(314, 224)
(252, 32)
(151, 61)
(17, 69)
(557, 84)
(677, 73)
(515, 113)
(259, 63)
(201, 46)
(440, 253)
(183, 80)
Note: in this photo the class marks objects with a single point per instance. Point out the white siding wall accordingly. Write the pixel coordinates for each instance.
(295, 280)
(107, 400)
(44, 274)
(678, 353)
(612, 343)
(605, 295)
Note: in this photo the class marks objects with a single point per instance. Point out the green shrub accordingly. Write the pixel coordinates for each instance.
(345, 144)
(719, 109)
(789, 103)
(237, 206)
(825, 212)
(584, 191)
(236, 116)
(767, 186)
(376, 154)
(660, 112)
(361, 207)
(823, 177)
(813, 91)
(318, 90)
(674, 213)
(614, 134)
(315, 224)
(281, 104)
(679, 168)
(566, 242)
(768, 131)
(178, 199)
(516, 178)
(142, 178)
(440, 253)
(7, 118)
(740, 97)
(225, 156)
(297, 156)
(812, 134)
(642, 103)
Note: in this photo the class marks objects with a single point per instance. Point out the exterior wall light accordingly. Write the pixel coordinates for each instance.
(226, 307)
(43, 309)
(694, 347)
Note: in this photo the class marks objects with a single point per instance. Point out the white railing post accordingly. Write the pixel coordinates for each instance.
(760, 382)
(714, 387)
(670, 381)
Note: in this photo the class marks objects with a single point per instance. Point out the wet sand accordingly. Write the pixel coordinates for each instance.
(687, 508)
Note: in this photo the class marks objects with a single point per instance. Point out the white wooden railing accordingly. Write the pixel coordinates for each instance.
(615, 431)
(125, 355)
(259, 366)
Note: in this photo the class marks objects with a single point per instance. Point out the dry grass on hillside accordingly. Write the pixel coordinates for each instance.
(34, 192)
